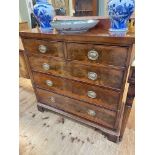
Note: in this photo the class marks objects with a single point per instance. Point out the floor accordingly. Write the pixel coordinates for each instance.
(51, 134)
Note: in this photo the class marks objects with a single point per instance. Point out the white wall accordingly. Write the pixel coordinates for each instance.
(23, 11)
(20, 20)
(101, 8)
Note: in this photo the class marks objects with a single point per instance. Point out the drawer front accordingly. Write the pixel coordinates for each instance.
(107, 55)
(102, 76)
(89, 112)
(47, 65)
(46, 48)
(85, 92)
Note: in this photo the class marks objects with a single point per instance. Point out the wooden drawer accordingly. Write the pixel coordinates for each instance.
(102, 76)
(41, 47)
(78, 90)
(89, 112)
(107, 55)
(47, 65)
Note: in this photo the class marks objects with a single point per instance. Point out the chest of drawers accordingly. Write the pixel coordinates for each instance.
(81, 76)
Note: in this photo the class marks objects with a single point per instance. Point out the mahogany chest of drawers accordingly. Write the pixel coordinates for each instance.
(81, 76)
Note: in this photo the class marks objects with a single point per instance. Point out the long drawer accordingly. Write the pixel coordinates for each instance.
(89, 112)
(78, 90)
(101, 54)
(102, 76)
(46, 48)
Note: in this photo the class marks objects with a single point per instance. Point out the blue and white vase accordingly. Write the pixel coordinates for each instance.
(120, 12)
(44, 12)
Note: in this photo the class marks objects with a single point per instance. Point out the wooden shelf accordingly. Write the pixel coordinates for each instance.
(85, 6)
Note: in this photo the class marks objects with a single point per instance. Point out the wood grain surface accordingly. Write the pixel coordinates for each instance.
(102, 116)
(51, 134)
(23, 72)
(104, 97)
(107, 55)
(53, 48)
(106, 76)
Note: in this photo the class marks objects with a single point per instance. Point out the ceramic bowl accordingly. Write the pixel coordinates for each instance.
(74, 26)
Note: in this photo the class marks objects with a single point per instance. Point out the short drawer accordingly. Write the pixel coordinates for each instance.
(89, 112)
(107, 55)
(47, 65)
(93, 94)
(41, 47)
(102, 76)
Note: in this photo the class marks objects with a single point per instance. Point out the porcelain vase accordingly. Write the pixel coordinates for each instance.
(119, 13)
(44, 13)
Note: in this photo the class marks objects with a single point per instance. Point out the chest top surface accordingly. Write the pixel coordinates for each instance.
(98, 34)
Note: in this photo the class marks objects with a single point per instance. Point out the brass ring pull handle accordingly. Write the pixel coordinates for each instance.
(49, 83)
(52, 99)
(91, 94)
(42, 49)
(46, 66)
(91, 112)
(93, 55)
(92, 75)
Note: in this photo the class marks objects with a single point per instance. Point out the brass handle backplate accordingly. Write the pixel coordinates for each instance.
(49, 83)
(91, 94)
(91, 112)
(92, 75)
(93, 55)
(42, 48)
(46, 66)
(52, 99)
